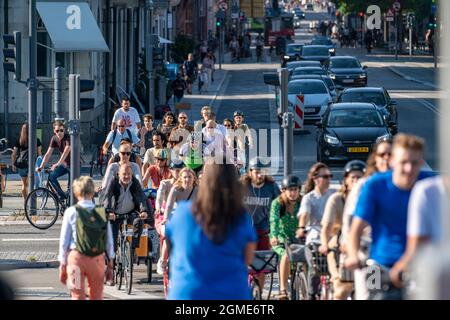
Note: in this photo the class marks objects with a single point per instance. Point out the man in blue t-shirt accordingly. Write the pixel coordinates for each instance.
(383, 204)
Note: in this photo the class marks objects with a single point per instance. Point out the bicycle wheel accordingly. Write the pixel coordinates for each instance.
(44, 213)
(149, 261)
(94, 160)
(301, 286)
(128, 266)
(119, 265)
(256, 290)
(293, 287)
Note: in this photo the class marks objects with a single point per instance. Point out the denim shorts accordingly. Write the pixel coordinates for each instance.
(23, 173)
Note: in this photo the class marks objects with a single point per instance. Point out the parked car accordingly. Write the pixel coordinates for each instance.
(348, 131)
(347, 71)
(376, 95)
(318, 53)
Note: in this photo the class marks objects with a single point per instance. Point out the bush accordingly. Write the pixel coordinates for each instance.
(182, 47)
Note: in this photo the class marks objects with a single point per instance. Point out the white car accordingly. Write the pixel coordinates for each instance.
(317, 98)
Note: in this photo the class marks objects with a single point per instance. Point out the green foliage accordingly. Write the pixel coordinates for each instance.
(182, 47)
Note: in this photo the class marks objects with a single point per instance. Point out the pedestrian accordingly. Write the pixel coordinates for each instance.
(178, 87)
(203, 50)
(128, 114)
(202, 79)
(243, 137)
(317, 192)
(157, 172)
(378, 161)
(86, 241)
(146, 133)
(19, 157)
(332, 220)
(115, 137)
(208, 67)
(283, 226)
(169, 122)
(260, 191)
(190, 70)
(368, 38)
(149, 157)
(210, 236)
(383, 204)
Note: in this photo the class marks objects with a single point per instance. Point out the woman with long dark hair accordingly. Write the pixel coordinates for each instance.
(168, 123)
(211, 240)
(19, 157)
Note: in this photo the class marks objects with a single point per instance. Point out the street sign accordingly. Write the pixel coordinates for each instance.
(397, 6)
(223, 6)
(390, 16)
(235, 15)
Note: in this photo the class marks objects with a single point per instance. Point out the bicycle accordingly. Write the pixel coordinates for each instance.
(99, 159)
(264, 262)
(123, 265)
(297, 281)
(45, 203)
(319, 264)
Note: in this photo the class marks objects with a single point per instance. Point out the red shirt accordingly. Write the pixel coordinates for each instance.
(157, 177)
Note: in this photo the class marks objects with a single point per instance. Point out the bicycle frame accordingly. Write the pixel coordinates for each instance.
(62, 203)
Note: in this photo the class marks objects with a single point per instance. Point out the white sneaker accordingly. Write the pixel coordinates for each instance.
(160, 266)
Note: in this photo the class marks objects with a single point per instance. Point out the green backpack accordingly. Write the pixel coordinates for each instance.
(193, 160)
(91, 231)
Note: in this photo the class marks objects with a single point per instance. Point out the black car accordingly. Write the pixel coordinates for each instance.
(318, 53)
(325, 41)
(348, 131)
(346, 71)
(308, 71)
(298, 13)
(376, 95)
(293, 52)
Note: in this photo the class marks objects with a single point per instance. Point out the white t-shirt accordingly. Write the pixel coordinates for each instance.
(115, 145)
(131, 118)
(427, 202)
(314, 203)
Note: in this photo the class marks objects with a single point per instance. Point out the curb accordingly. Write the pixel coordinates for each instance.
(408, 78)
(219, 89)
(29, 265)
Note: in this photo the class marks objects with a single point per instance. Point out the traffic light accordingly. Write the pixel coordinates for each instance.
(361, 14)
(14, 53)
(218, 23)
(432, 23)
(158, 58)
(87, 103)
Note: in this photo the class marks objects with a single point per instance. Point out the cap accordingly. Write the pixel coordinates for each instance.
(256, 163)
(176, 164)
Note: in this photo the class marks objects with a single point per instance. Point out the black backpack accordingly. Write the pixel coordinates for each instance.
(22, 159)
(115, 134)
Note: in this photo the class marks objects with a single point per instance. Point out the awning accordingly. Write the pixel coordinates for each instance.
(71, 26)
(164, 40)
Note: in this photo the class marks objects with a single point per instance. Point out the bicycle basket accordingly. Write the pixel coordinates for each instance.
(318, 261)
(296, 253)
(265, 261)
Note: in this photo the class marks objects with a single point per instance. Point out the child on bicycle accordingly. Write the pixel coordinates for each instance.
(283, 225)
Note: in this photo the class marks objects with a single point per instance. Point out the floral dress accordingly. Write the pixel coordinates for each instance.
(283, 228)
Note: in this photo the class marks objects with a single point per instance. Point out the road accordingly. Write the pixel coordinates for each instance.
(244, 89)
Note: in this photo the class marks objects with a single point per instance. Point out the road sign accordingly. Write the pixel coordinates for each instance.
(235, 15)
(397, 6)
(223, 6)
(390, 16)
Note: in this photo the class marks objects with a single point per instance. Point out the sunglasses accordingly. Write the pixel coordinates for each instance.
(182, 117)
(60, 130)
(125, 153)
(160, 159)
(326, 176)
(383, 154)
(227, 125)
(121, 126)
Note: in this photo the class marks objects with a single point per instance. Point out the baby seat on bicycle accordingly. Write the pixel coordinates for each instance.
(265, 261)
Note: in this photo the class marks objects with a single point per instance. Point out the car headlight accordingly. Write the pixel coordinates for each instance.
(332, 76)
(287, 57)
(384, 138)
(363, 75)
(331, 139)
(331, 50)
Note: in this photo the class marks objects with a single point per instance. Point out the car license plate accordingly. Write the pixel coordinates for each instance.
(310, 110)
(358, 149)
(347, 80)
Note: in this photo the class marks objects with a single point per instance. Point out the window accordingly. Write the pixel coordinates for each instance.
(44, 55)
(307, 87)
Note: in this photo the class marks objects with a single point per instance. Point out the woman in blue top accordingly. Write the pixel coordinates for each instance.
(211, 240)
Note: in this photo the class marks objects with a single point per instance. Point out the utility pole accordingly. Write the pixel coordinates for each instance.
(59, 99)
(5, 74)
(32, 95)
(149, 43)
(74, 129)
(396, 35)
(288, 126)
(284, 79)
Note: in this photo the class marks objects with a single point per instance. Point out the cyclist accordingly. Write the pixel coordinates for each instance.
(157, 172)
(261, 190)
(259, 47)
(383, 204)
(243, 136)
(128, 114)
(124, 196)
(134, 157)
(206, 115)
(115, 137)
(191, 153)
(146, 133)
(330, 234)
(311, 211)
(378, 161)
(283, 225)
(149, 157)
(60, 141)
(180, 133)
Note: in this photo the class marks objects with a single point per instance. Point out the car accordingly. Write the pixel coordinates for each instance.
(325, 41)
(347, 71)
(293, 52)
(309, 70)
(318, 53)
(309, 7)
(297, 22)
(376, 95)
(317, 98)
(348, 131)
(298, 13)
(329, 83)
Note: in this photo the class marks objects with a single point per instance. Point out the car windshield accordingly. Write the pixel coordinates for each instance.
(307, 87)
(300, 72)
(329, 83)
(310, 51)
(322, 42)
(344, 63)
(294, 49)
(354, 118)
(374, 97)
